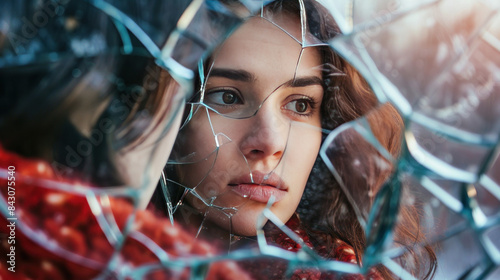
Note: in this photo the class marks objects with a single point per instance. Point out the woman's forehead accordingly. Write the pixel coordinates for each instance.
(262, 36)
(262, 48)
(283, 26)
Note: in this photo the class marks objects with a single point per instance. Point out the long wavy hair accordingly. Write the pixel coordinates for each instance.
(325, 208)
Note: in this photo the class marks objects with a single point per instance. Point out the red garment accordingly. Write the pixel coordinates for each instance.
(62, 239)
(273, 268)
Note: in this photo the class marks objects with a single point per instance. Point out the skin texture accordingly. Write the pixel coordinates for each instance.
(275, 145)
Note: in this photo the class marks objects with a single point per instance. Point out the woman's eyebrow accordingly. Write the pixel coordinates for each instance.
(233, 74)
(304, 81)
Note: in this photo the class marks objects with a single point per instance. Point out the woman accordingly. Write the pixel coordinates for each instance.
(254, 131)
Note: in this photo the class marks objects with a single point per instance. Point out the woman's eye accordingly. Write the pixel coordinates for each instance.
(223, 97)
(229, 98)
(301, 106)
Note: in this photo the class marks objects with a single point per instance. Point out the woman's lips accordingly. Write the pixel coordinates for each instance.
(260, 186)
(259, 193)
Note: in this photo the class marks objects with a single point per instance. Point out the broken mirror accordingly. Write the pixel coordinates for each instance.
(293, 139)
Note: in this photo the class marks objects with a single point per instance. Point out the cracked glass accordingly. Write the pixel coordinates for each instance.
(224, 139)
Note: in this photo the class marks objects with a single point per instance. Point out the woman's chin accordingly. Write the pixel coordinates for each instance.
(247, 227)
(246, 222)
(247, 219)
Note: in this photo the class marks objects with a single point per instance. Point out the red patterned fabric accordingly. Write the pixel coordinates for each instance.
(69, 242)
(65, 241)
(273, 268)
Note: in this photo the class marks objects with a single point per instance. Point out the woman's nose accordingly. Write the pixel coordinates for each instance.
(266, 135)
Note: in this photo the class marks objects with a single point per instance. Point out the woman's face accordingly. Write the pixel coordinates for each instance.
(256, 133)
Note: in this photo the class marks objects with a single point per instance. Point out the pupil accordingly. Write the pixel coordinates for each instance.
(301, 106)
(228, 98)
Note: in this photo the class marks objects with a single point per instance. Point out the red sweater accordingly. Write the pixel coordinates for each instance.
(58, 236)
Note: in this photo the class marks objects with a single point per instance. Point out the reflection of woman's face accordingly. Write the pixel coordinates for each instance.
(270, 153)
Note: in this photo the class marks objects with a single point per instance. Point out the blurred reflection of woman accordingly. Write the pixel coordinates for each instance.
(85, 131)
